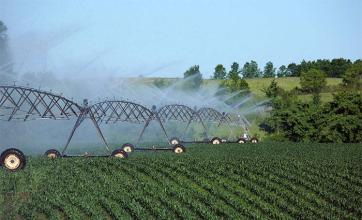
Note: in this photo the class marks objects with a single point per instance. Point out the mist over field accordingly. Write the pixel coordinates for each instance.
(36, 136)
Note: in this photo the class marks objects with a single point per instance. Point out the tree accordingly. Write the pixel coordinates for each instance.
(220, 72)
(251, 70)
(352, 79)
(282, 71)
(339, 67)
(294, 69)
(235, 85)
(6, 68)
(341, 119)
(357, 61)
(193, 78)
(234, 73)
(305, 66)
(273, 90)
(337, 121)
(234, 82)
(269, 70)
(313, 81)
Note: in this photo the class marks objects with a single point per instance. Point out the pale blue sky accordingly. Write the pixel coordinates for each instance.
(164, 38)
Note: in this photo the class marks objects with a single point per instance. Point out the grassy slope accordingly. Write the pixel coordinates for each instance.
(257, 85)
(287, 83)
(228, 181)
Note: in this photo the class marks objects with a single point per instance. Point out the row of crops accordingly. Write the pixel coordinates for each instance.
(286, 181)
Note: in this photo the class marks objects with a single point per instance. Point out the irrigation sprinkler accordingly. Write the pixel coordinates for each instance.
(24, 104)
(125, 111)
(185, 114)
(239, 121)
(210, 115)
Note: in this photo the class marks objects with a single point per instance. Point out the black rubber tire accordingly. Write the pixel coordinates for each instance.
(119, 153)
(128, 148)
(174, 141)
(254, 140)
(216, 140)
(52, 153)
(241, 141)
(179, 149)
(16, 153)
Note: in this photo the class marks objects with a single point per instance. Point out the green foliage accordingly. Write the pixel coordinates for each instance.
(283, 71)
(234, 82)
(263, 181)
(220, 72)
(269, 70)
(251, 70)
(273, 90)
(294, 69)
(352, 79)
(313, 81)
(235, 85)
(332, 68)
(234, 73)
(337, 121)
(192, 78)
(339, 67)
(341, 119)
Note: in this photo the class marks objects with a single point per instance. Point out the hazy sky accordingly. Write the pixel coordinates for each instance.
(163, 38)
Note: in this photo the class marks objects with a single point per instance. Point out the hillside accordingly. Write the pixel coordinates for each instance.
(278, 181)
(257, 85)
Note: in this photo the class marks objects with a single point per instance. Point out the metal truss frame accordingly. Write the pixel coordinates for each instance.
(180, 113)
(24, 103)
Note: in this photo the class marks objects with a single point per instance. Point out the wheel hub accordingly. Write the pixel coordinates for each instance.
(178, 150)
(12, 162)
(216, 142)
(52, 155)
(127, 149)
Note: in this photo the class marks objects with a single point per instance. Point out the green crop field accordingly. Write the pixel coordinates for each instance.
(267, 180)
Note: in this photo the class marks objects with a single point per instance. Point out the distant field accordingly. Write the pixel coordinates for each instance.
(263, 181)
(257, 85)
(287, 83)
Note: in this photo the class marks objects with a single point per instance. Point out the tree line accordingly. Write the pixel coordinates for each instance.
(332, 68)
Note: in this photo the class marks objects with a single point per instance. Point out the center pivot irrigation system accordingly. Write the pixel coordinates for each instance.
(24, 104)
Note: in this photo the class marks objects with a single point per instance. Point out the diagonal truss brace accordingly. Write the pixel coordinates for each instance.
(86, 112)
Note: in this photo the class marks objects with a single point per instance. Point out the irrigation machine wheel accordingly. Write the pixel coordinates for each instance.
(254, 140)
(128, 148)
(216, 140)
(179, 149)
(119, 153)
(52, 154)
(13, 159)
(174, 141)
(241, 141)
